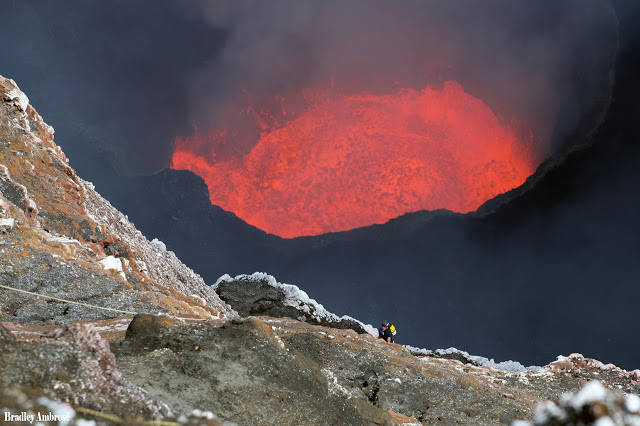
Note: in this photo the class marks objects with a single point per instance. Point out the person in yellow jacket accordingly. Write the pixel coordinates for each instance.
(387, 331)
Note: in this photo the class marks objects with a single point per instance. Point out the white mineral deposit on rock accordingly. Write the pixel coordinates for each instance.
(16, 95)
(8, 223)
(158, 244)
(111, 263)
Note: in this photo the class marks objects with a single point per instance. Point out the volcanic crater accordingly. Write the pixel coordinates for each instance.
(325, 161)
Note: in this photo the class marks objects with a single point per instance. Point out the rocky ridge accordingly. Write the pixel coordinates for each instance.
(59, 237)
(260, 294)
(186, 356)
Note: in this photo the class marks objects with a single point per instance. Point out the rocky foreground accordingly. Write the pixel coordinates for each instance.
(100, 325)
(264, 370)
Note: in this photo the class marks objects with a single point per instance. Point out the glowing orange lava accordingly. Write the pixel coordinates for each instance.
(356, 160)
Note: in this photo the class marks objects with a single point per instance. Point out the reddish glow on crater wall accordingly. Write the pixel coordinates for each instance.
(356, 160)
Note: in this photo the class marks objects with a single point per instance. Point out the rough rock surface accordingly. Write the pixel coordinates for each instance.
(59, 237)
(592, 405)
(24, 405)
(74, 364)
(260, 294)
(263, 370)
(283, 371)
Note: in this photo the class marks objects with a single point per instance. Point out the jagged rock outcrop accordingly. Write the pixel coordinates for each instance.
(59, 237)
(260, 294)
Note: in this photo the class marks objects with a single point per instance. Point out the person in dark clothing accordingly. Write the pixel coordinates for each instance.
(384, 333)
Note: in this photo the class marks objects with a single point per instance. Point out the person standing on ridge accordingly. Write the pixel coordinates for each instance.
(385, 333)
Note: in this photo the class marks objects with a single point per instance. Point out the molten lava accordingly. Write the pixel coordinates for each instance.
(355, 160)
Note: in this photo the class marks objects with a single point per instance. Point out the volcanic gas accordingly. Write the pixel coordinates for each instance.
(345, 161)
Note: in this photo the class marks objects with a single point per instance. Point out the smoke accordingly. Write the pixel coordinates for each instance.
(120, 81)
(541, 66)
(110, 77)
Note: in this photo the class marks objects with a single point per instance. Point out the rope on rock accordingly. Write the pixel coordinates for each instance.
(89, 305)
(88, 411)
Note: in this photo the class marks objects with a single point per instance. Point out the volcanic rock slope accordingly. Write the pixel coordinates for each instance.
(98, 323)
(61, 238)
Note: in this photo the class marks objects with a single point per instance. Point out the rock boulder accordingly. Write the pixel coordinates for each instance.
(260, 294)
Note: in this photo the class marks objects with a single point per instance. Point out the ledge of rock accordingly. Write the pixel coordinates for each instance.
(260, 294)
